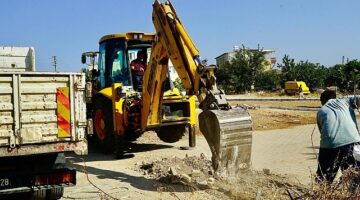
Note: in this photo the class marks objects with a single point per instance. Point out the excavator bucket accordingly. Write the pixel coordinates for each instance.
(229, 135)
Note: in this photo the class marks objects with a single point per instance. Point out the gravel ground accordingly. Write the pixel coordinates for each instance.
(284, 148)
(195, 173)
(268, 119)
(146, 174)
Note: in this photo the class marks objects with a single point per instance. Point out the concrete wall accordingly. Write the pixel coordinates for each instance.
(17, 59)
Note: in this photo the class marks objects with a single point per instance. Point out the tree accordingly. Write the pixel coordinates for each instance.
(268, 80)
(239, 74)
(224, 79)
(345, 76)
(336, 77)
(251, 62)
(288, 68)
(352, 74)
(312, 74)
(178, 84)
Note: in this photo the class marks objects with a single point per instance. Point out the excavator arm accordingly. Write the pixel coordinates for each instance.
(227, 130)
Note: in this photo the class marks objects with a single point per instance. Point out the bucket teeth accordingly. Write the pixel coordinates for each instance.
(229, 135)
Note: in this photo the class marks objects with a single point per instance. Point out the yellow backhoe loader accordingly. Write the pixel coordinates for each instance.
(120, 111)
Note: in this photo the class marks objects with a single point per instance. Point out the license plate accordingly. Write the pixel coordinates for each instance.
(5, 182)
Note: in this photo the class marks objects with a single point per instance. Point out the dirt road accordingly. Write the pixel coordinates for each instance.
(120, 179)
(285, 151)
(265, 118)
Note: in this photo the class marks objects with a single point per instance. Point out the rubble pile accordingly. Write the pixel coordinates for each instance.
(196, 172)
(191, 171)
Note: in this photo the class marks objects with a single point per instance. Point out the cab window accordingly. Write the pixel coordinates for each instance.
(116, 68)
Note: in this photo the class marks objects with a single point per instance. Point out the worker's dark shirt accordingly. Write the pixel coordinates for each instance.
(138, 65)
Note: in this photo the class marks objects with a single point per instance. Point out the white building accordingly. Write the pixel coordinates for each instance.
(229, 56)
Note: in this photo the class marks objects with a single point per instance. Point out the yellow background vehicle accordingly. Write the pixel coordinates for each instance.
(292, 87)
(121, 112)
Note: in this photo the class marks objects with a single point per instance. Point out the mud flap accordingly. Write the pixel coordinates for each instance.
(229, 135)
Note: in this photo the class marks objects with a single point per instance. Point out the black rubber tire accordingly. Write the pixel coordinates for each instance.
(107, 144)
(38, 195)
(54, 193)
(171, 134)
(132, 135)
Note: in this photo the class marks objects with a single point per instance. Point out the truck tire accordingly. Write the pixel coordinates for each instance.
(103, 124)
(171, 134)
(54, 193)
(38, 195)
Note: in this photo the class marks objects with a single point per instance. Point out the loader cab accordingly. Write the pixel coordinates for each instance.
(116, 52)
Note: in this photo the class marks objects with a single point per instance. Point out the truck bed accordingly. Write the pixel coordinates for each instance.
(42, 112)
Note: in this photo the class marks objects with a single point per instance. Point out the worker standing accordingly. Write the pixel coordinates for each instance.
(138, 67)
(301, 93)
(339, 133)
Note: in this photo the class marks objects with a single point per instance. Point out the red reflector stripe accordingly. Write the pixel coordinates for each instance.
(63, 99)
(63, 112)
(62, 123)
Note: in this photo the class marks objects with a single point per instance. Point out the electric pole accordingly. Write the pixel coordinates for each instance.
(54, 62)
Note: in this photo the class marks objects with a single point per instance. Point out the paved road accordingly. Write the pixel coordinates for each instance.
(287, 151)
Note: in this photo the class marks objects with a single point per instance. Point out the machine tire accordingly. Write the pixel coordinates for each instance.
(55, 193)
(132, 135)
(171, 134)
(103, 124)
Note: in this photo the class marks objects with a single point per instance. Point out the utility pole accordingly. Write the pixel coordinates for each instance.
(54, 62)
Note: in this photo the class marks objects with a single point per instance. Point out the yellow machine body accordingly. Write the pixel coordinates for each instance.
(121, 109)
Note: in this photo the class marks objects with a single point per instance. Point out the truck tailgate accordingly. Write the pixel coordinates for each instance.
(42, 112)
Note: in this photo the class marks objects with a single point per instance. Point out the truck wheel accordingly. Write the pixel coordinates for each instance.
(103, 124)
(38, 195)
(171, 134)
(54, 193)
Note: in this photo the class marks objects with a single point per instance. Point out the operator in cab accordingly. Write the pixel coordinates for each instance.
(138, 67)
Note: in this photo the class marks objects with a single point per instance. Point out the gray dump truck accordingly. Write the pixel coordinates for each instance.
(42, 116)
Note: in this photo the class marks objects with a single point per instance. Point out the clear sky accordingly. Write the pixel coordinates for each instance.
(320, 31)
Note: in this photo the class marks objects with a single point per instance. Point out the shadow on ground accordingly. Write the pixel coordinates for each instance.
(310, 156)
(138, 182)
(95, 154)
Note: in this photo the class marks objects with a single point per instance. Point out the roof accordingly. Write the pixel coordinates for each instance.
(129, 36)
(223, 54)
(266, 51)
